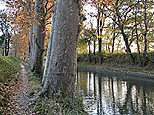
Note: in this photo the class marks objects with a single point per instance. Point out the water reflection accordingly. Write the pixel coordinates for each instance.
(116, 95)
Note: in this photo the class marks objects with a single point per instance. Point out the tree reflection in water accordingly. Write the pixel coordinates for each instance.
(115, 94)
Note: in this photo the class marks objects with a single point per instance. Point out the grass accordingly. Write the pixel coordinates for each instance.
(120, 67)
(9, 72)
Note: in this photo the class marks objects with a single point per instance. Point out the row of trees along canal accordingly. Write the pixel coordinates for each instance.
(130, 20)
(57, 22)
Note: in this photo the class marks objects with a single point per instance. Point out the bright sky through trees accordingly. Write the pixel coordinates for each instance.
(2, 6)
(91, 14)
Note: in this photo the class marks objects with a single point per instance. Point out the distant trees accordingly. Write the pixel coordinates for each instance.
(128, 22)
(31, 19)
(89, 37)
(17, 22)
(132, 20)
(6, 35)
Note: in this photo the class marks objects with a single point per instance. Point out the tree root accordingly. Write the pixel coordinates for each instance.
(40, 93)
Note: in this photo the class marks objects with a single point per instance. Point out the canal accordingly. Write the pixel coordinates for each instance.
(115, 94)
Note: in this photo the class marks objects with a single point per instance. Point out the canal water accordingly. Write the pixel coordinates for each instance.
(115, 94)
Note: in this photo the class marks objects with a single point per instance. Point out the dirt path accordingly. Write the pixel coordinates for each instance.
(19, 103)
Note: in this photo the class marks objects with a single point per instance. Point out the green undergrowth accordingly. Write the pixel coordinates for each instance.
(69, 106)
(9, 72)
(48, 106)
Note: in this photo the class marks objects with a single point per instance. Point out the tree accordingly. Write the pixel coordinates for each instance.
(62, 68)
(42, 10)
(99, 31)
(17, 17)
(145, 32)
(137, 36)
(89, 35)
(49, 47)
(30, 16)
(38, 39)
(5, 30)
(122, 19)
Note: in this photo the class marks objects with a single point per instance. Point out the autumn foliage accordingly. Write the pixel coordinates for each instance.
(21, 16)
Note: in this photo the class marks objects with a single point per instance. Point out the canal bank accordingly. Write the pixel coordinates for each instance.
(118, 72)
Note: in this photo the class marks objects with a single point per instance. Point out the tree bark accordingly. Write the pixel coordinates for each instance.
(121, 26)
(49, 46)
(89, 51)
(114, 36)
(138, 47)
(99, 24)
(31, 38)
(145, 34)
(4, 45)
(31, 46)
(39, 39)
(7, 47)
(94, 52)
(62, 68)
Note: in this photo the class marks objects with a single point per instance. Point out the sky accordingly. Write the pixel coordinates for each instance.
(90, 10)
(2, 6)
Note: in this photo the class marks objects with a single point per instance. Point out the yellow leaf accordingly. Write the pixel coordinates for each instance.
(39, 23)
(99, 36)
(117, 6)
(100, 1)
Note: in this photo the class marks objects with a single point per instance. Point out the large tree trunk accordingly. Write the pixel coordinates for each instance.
(62, 68)
(39, 39)
(31, 45)
(49, 45)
